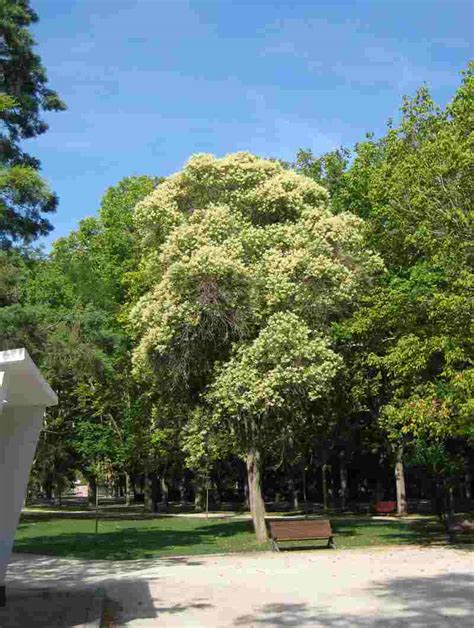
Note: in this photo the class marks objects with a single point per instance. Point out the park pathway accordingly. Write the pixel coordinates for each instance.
(394, 587)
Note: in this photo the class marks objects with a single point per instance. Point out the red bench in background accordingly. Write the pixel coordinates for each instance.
(385, 508)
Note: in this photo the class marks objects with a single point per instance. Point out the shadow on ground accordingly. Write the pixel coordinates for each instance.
(50, 608)
(440, 601)
(53, 571)
(58, 601)
(136, 602)
(434, 602)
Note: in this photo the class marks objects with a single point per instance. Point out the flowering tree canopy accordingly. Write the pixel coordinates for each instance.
(246, 268)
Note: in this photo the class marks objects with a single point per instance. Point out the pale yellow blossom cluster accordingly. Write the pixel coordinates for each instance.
(287, 362)
(228, 244)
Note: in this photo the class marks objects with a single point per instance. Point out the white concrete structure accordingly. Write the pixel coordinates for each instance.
(24, 396)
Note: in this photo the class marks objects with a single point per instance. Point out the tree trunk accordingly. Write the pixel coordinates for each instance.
(450, 500)
(97, 508)
(49, 490)
(199, 496)
(182, 491)
(150, 492)
(59, 492)
(400, 483)
(467, 483)
(305, 496)
(296, 502)
(127, 489)
(324, 485)
(164, 492)
(379, 491)
(246, 496)
(293, 493)
(91, 491)
(257, 505)
(343, 478)
(439, 505)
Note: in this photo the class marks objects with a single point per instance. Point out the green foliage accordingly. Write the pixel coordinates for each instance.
(304, 312)
(327, 169)
(24, 197)
(246, 269)
(416, 326)
(203, 443)
(24, 95)
(436, 459)
(23, 79)
(66, 310)
(267, 385)
(408, 348)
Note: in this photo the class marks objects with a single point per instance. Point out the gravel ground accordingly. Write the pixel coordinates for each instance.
(389, 587)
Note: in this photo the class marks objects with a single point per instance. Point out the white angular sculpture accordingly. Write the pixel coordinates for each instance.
(24, 396)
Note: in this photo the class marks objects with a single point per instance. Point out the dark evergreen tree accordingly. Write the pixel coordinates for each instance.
(24, 96)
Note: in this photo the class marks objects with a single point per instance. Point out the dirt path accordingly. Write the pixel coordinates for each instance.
(399, 586)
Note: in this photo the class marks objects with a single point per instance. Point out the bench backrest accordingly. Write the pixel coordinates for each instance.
(385, 506)
(299, 529)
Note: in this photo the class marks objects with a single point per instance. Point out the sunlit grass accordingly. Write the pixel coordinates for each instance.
(124, 539)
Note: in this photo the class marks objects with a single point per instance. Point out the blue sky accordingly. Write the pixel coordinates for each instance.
(150, 82)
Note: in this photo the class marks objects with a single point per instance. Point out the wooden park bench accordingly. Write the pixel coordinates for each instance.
(299, 530)
(385, 508)
(460, 529)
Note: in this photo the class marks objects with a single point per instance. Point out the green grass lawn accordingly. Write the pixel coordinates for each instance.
(125, 539)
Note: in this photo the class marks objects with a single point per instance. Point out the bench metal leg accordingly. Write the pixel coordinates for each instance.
(332, 543)
(275, 547)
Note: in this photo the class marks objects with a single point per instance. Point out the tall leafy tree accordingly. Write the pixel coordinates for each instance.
(66, 309)
(247, 268)
(409, 351)
(414, 186)
(24, 96)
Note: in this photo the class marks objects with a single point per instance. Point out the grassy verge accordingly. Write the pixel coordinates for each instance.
(125, 539)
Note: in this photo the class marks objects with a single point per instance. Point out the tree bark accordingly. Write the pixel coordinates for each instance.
(324, 485)
(182, 491)
(164, 491)
(91, 491)
(150, 492)
(48, 490)
(199, 502)
(257, 505)
(294, 493)
(59, 492)
(305, 496)
(450, 501)
(246, 495)
(379, 491)
(127, 489)
(467, 483)
(400, 483)
(343, 478)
